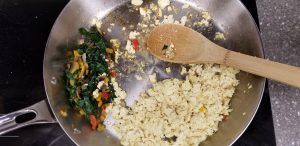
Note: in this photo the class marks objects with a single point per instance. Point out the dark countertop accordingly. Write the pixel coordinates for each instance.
(280, 32)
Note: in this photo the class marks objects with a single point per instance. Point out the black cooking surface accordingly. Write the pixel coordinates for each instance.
(24, 29)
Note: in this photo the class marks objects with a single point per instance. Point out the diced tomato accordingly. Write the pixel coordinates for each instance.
(104, 95)
(113, 73)
(93, 122)
(135, 44)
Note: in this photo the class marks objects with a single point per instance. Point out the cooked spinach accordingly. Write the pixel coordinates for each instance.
(94, 48)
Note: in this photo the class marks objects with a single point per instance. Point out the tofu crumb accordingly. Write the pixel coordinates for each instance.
(97, 23)
(138, 77)
(169, 52)
(244, 113)
(185, 6)
(99, 85)
(163, 3)
(152, 78)
(183, 70)
(168, 19)
(123, 28)
(183, 20)
(63, 113)
(133, 34)
(168, 70)
(137, 2)
(115, 43)
(96, 93)
(108, 29)
(219, 36)
(169, 8)
(129, 47)
(143, 12)
(205, 19)
(205, 15)
(249, 86)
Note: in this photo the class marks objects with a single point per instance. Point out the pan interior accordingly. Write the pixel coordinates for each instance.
(229, 17)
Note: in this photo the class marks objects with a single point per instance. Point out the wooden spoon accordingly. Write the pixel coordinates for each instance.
(190, 47)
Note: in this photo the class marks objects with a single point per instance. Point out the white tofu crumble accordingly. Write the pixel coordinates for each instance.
(189, 109)
(133, 34)
(96, 93)
(168, 70)
(137, 2)
(138, 77)
(152, 78)
(205, 19)
(183, 20)
(185, 6)
(129, 47)
(219, 36)
(163, 3)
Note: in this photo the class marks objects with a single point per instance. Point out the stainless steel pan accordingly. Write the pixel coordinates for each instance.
(229, 16)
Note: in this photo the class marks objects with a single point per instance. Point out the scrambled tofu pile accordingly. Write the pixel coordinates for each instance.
(177, 112)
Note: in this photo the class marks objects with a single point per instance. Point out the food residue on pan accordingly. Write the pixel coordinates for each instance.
(169, 51)
(219, 36)
(137, 2)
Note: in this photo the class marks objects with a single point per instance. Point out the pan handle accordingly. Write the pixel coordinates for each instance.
(36, 114)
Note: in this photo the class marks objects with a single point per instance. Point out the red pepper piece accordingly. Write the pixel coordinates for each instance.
(104, 95)
(135, 44)
(113, 73)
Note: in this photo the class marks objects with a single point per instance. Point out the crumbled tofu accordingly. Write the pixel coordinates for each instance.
(112, 24)
(97, 23)
(152, 78)
(169, 52)
(120, 93)
(129, 47)
(168, 70)
(183, 70)
(185, 6)
(203, 22)
(168, 19)
(249, 86)
(63, 113)
(123, 28)
(172, 108)
(205, 19)
(108, 29)
(183, 20)
(219, 36)
(244, 113)
(138, 77)
(133, 34)
(96, 93)
(137, 2)
(163, 3)
(99, 85)
(205, 15)
(115, 43)
(143, 11)
(169, 8)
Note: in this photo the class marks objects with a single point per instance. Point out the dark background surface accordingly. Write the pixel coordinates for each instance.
(24, 29)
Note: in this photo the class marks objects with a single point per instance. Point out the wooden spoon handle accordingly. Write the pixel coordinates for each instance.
(273, 70)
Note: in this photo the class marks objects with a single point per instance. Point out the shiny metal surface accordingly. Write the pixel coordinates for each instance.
(229, 16)
(41, 111)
